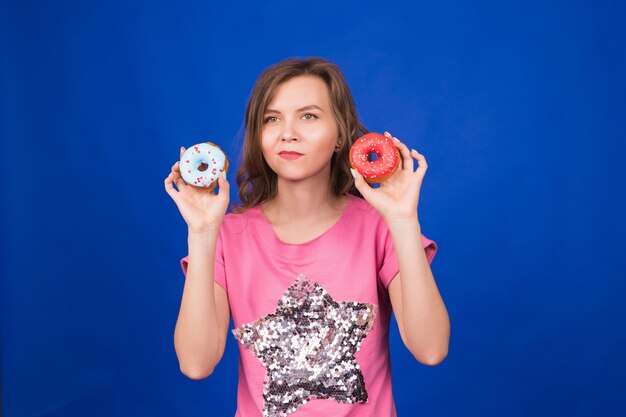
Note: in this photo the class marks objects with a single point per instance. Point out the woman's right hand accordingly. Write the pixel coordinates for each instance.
(201, 209)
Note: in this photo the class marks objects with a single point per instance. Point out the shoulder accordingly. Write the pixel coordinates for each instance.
(367, 220)
(360, 205)
(238, 222)
(366, 217)
(363, 211)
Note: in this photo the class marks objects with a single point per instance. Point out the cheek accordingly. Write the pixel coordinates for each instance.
(328, 138)
(266, 155)
(323, 132)
(266, 143)
(268, 150)
(331, 131)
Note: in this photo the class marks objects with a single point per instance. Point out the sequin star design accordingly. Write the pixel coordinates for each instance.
(307, 347)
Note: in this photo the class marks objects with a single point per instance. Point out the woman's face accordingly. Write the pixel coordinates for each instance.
(299, 119)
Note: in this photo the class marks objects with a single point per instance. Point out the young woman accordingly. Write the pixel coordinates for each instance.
(311, 263)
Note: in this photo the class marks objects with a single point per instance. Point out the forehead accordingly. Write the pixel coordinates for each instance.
(299, 91)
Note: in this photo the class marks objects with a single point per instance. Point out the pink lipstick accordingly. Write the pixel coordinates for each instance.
(290, 155)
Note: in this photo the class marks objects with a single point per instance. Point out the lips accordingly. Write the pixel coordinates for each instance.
(290, 155)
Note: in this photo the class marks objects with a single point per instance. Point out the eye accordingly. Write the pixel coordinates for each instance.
(267, 119)
(311, 114)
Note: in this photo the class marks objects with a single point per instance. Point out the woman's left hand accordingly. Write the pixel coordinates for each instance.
(397, 197)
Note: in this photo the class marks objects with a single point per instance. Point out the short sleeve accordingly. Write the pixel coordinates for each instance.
(390, 268)
(219, 270)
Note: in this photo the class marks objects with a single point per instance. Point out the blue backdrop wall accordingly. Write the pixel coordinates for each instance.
(519, 108)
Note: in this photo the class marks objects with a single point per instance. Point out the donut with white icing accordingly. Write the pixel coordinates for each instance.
(387, 157)
(202, 164)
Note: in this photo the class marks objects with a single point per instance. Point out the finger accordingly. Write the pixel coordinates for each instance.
(407, 159)
(388, 135)
(182, 151)
(360, 183)
(224, 185)
(178, 180)
(178, 176)
(223, 181)
(422, 165)
(169, 188)
(180, 183)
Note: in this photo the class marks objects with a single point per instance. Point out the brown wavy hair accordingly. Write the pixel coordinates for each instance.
(255, 179)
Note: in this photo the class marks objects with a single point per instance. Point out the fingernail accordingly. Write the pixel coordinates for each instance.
(353, 173)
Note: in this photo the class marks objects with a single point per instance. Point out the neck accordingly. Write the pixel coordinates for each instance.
(302, 201)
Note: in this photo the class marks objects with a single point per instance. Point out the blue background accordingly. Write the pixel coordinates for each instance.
(519, 108)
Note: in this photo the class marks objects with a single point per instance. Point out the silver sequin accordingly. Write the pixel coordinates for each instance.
(307, 347)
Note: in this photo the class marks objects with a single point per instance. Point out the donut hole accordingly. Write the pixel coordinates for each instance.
(372, 156)
(203, 167)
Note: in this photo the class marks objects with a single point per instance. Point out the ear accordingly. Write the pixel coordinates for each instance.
(338, 145)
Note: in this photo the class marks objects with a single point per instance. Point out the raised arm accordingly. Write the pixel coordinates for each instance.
(419, 309)
(202, 325)
(417, 304)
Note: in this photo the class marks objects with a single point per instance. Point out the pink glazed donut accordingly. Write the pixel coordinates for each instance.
(202, 164)
(387, 157)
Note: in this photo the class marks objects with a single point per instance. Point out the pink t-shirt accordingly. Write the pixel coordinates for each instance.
(311, 319)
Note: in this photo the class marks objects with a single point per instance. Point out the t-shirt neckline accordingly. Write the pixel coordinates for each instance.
(298, 250)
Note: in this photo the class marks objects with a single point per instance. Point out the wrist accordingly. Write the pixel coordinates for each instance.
(202, 235)
(403, 223)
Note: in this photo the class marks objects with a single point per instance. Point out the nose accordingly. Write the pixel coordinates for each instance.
(289, 138)
(289, 134)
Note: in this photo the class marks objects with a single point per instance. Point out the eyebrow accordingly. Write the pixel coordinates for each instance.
(311, 106)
